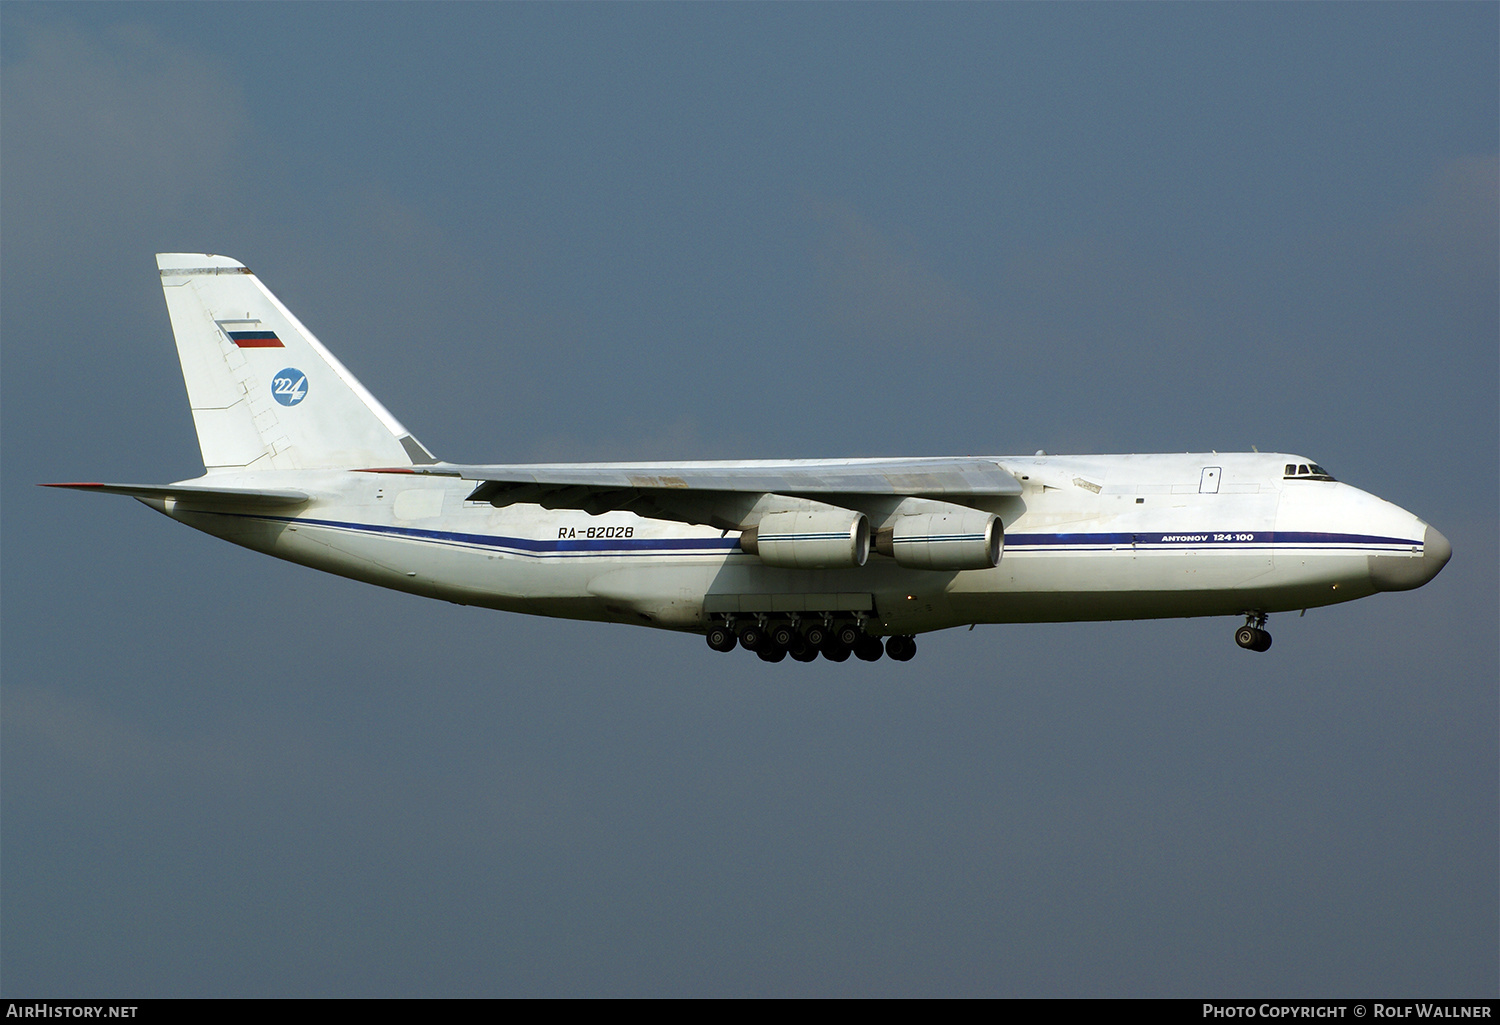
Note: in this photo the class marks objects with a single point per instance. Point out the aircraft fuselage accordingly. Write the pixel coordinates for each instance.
(1089, 538)
(787, 558)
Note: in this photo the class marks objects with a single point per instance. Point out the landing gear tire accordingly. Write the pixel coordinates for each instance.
(770, 653)
(869, 649)
(721, 639)
(902, 649)
(848, 635)
(801, 650)
(781, 635)
(833, 651)
(1253, 638)
(815, 635)
(752, 637)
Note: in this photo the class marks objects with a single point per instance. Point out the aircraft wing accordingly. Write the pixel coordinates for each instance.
(199, 495)
(687, 490)
(951, 477)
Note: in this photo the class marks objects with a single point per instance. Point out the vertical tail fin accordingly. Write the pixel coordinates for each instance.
(265, 393)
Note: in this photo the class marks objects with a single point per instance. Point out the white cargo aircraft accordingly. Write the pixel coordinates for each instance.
(791, 557)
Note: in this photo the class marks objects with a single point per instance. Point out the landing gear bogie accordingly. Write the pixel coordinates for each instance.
(1253, 635)
(804, 639)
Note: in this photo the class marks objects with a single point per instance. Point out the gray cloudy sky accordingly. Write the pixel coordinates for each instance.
(659, 231)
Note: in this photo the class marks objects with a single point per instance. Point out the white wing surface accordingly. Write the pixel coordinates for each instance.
(954, 477)
(727, 493)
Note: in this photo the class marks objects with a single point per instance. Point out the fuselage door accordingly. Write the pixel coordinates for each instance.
(1208, 484)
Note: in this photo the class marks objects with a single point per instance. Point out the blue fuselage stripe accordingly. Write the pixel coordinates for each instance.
(1262, 540)
(1210, 538)
(559, 546)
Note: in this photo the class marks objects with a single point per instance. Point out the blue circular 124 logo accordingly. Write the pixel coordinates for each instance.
(289, 386)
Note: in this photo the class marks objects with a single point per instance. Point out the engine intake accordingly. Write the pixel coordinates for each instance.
(810, 539)
(958, 540)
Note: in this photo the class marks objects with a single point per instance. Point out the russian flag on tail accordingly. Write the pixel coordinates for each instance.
(255, 339)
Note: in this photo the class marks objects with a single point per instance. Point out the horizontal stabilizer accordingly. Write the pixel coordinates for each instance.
(200, 495)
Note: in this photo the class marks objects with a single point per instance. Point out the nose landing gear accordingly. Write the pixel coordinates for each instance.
(1253, 635)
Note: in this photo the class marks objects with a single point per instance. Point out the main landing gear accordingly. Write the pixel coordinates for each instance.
(1253, 635)
(720, 638)
(806, 638)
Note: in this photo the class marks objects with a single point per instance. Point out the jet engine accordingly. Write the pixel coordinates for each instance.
(810, 539)
(961, 539)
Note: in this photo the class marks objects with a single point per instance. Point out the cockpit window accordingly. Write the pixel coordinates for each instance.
(1306, 471)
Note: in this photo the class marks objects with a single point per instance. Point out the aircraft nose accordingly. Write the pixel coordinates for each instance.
(1402, 573)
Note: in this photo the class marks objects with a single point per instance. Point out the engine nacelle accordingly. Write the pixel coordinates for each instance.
(810, 539)
(962, 539)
